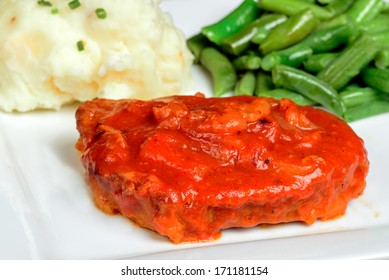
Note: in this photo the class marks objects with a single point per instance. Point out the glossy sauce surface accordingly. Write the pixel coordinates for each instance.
(189, 166)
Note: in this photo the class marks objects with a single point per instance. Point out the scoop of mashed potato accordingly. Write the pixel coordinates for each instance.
(51, 54)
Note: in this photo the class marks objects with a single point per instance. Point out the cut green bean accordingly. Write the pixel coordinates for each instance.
(355, 95)
(247, 62)
(252, 52)
(292, 7)
(379, 24)
(196, 44)
(324, 40)
(376, 78)
(335, 21)
(234, 21)
(363, 11)
(271, 21)
(381, 61)
(318, 62)
(260, 36)
(381, 39)
(372, 108)
(349, 63)
(261, 47)
(293, 30)
(281, 93)
(264, 83)
(309, 86)
(338, 7)
(240, 41)
(246, 84)
(223, 73)
(323, 2)
(385, 7)
(292, 56)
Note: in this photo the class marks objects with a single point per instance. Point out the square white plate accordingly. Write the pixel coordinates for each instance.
(46, 210)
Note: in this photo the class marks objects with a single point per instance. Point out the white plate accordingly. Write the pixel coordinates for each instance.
(46, 211)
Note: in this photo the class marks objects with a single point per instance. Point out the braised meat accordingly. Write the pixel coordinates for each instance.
(189, 166)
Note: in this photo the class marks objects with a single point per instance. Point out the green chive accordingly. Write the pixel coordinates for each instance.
(74, 4)
(101, 13)
(54, 11)
(80, 46)
(44, 3)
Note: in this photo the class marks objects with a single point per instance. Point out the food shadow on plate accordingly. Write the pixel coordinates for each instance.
(67, 159)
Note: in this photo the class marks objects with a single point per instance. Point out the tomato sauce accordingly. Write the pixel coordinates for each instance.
(189, 166)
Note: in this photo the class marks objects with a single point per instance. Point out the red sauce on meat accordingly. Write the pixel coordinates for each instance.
(188, 166)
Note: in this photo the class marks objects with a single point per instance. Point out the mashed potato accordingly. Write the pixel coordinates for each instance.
(52, 55)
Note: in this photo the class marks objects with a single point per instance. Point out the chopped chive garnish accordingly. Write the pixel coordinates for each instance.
(74, 4)
(54, 11)
(44, 3)
(101, 13)
(80, 46)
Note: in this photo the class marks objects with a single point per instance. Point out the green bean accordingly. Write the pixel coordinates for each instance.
(271, 20)
(355, 95)
(339, 40)
(260, 36)
(240, 41)
(309, 86)
(385, 7)
(363, 11)
(324, 40)
(349, 62)
(381, 61)
(323, 2)
(281, 93)
(376, 78)
(369, 109)
(252, 52)
(246, 84)
(377, 25)
(264, 83)
(292, 56)
(335, 21)
(223, 73)
(231, 23)
(338, 7)
(196, 44)
(294, 29)
(319, 41)
(247, 62)
(292, 7)
(318, 62)
(381, 39)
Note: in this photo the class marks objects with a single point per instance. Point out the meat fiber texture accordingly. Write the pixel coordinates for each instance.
(54, 55)
(188, 167)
